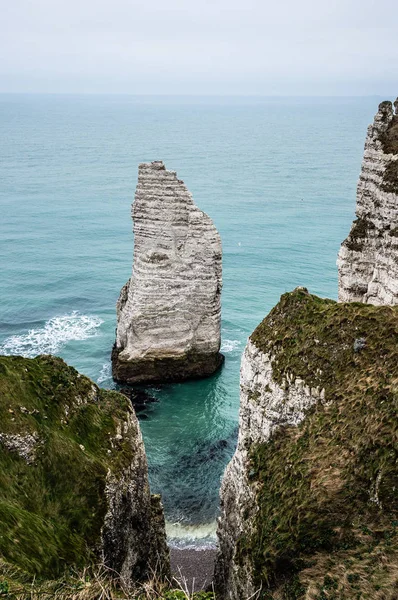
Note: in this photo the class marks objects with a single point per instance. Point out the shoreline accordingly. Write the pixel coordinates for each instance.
(184, 536)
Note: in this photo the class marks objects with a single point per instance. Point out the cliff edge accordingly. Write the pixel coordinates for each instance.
(73, 476)
(309, 507)
(367, 261)
(169, 312)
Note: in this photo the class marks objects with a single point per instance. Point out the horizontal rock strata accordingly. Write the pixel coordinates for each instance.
(169, 312)
(368, 258)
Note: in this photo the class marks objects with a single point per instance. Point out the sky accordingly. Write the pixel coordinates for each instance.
(207, 47)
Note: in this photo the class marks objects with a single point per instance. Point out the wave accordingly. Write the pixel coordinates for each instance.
(230, 345)
(49, 339)
(198, 537)
(105, 373)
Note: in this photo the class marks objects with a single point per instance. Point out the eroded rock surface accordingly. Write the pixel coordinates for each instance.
(368, 258)
(73, 476)
(308, 502)
(169, 312)
(265, 406)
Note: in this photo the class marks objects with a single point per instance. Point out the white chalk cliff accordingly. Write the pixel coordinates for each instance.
(169, 312)
(265, 406)
(368, 258)
(315, 464)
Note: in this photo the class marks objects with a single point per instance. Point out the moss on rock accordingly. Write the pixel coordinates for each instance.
(359, 232)
(389, 139)
(326, 491)
(390, 177)
(389, 143)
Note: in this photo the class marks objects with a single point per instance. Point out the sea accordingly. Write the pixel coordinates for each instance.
(277, 176)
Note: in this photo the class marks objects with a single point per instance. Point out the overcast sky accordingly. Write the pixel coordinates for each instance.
(245, 47)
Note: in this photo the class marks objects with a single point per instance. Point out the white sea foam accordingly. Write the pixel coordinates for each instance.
(105, 373)
(53, 336)
(198, 537)
(230, 345)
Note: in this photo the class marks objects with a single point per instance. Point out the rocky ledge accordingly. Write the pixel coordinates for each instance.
(367, 262)
(73, 477)
(169, 312)
(309, 507)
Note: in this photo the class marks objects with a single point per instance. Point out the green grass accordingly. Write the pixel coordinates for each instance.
(51, 511)
(321, 485)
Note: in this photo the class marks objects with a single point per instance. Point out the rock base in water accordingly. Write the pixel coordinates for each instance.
(165, 370)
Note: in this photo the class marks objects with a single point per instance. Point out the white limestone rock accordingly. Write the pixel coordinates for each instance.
(23, 444)
(368, 258)
(133, 536)
(169, 312)
(265, 406)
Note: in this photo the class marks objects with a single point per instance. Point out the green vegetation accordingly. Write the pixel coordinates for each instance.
(327, 491)
(389, 142)
(52, 506)
(58, 440)
(93, 583)
(390, 177)
(390, 138)
(359, 232)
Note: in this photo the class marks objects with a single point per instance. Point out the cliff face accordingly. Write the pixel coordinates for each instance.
(73, 475)
(308, 502)
(367, 262)
(168, 313)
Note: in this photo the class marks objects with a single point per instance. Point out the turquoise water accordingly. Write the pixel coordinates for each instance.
(277, 176)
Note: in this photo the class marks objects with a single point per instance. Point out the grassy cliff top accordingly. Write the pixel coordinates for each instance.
(57, 442)
(344, 348)
(327, 489)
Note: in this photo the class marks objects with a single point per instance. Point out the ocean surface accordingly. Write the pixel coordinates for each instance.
(277, 176)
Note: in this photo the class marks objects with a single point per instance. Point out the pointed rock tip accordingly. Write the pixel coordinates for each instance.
(155, 164)
(302, 289)
(158, 165)
(385, 107)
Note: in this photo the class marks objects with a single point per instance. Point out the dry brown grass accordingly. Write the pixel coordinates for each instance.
(327, 519)
(370, 574)
(94, 583)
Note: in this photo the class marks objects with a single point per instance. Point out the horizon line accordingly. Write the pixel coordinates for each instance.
(162, 95)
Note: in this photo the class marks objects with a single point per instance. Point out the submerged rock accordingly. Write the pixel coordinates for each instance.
(140, 398)
(169, 312)
(309, 502)
(73, 476)
(368, 258)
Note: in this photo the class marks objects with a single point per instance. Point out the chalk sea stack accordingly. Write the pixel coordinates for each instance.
(367, 262)
(169, 312)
